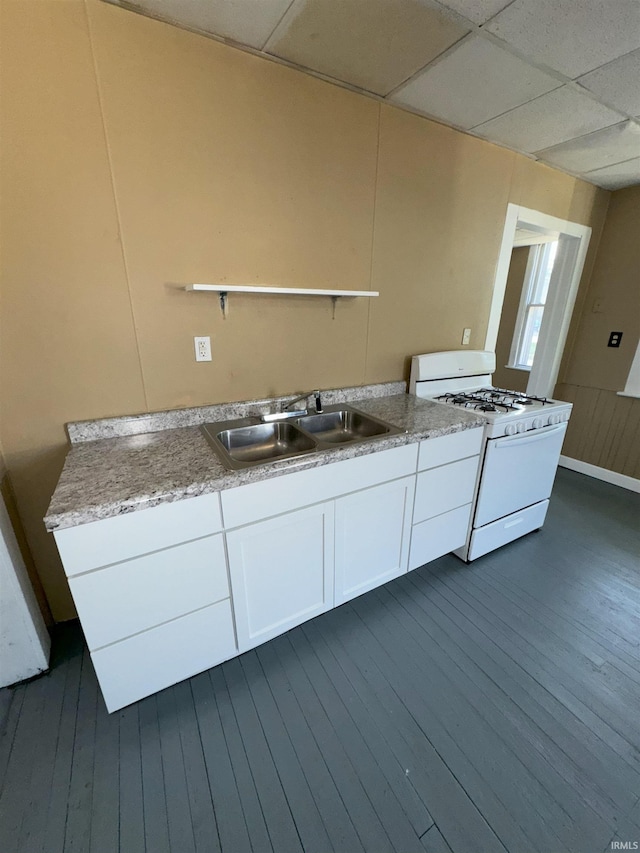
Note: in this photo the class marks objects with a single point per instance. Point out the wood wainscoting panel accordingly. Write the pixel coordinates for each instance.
(604, 429)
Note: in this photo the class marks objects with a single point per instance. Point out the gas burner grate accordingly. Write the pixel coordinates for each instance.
(517, 397)
(483, 401)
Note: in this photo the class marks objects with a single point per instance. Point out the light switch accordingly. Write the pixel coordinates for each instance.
(466, 337)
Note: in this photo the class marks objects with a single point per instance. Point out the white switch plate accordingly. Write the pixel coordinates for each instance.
(466, 337)
(203, 348)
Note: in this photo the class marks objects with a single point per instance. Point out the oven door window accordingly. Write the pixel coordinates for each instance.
(518, 471)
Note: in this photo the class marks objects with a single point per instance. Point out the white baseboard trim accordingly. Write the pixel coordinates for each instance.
(623, 480)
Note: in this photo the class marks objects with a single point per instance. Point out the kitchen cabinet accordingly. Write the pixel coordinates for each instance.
(372, 537)
(445, 485)
(283, 560)
(167, 592)
(152, 593)
(281, 572)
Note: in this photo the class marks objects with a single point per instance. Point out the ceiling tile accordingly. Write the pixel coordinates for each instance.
(618, 176)
(475, 82)
(597, 150)
(617, 83)
(249, 22)
(548, 120)
(373, 44)
(478, 11)
(571, 37)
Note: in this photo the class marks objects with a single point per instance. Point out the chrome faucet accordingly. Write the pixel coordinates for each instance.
(316, 394)
(284, 408)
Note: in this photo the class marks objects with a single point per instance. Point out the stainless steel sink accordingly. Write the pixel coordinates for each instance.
(344, 425)
(247, 442)
(249, 445)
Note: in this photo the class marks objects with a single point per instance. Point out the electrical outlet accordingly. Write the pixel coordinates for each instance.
(614, 339)
(466, 337)
(203, 348)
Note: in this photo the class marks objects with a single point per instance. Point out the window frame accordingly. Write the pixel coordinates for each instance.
(632, 385)
(537, 264)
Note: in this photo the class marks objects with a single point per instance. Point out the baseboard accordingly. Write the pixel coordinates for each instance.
(623, 480)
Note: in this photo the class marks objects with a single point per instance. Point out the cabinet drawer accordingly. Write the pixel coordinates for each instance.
(121, 600)
(449, 448)
(255, 501)
(440, 535)
(445, 488)
(142, 665)
(100, 543)
(504, 530)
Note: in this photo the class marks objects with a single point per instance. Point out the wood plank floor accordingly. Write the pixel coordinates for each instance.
(492, 707)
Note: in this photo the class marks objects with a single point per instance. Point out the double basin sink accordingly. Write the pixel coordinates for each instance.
(247, 442)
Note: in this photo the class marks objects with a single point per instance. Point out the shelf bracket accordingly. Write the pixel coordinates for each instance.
(223, 303)
(334, 302)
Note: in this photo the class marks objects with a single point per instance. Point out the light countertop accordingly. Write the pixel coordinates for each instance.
(106, 477)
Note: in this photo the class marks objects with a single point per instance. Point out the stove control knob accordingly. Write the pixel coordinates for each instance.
(565, 417)
(554, 419)
(510, 429)
(538, 423)
(521, 427)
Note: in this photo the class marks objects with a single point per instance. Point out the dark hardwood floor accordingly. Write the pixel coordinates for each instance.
(492, 707)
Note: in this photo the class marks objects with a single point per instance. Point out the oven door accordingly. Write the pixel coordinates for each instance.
(518, 471)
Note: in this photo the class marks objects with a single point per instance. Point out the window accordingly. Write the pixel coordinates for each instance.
(632, 388)
(532, 302)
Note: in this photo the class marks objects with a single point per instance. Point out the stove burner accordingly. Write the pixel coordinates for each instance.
(484, 400)
(494, 400)
(518, 397)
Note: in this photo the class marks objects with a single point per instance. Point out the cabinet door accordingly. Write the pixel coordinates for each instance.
(281, 572)
(372, 537)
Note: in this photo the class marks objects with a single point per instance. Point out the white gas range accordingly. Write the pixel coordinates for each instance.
(523, 437)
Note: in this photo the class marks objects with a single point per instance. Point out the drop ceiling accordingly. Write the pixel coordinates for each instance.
(558, 80)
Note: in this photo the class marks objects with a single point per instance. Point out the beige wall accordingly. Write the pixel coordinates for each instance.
(605, 428)
(615, 284)
(137, 156)
(507, 377)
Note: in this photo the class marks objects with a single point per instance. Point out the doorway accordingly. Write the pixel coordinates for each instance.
(547, 336)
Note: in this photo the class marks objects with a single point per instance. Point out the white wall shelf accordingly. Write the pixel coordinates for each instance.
(293, 291)
(225, 289)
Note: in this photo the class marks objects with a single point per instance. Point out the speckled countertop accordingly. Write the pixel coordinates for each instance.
(106, 477)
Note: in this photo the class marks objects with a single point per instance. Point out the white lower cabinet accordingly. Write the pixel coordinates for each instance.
(372, 537)
(154, 609)
(152, 587)
(281, 572)
(448, 470)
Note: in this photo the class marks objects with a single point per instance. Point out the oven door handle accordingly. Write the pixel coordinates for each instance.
(524, 438)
